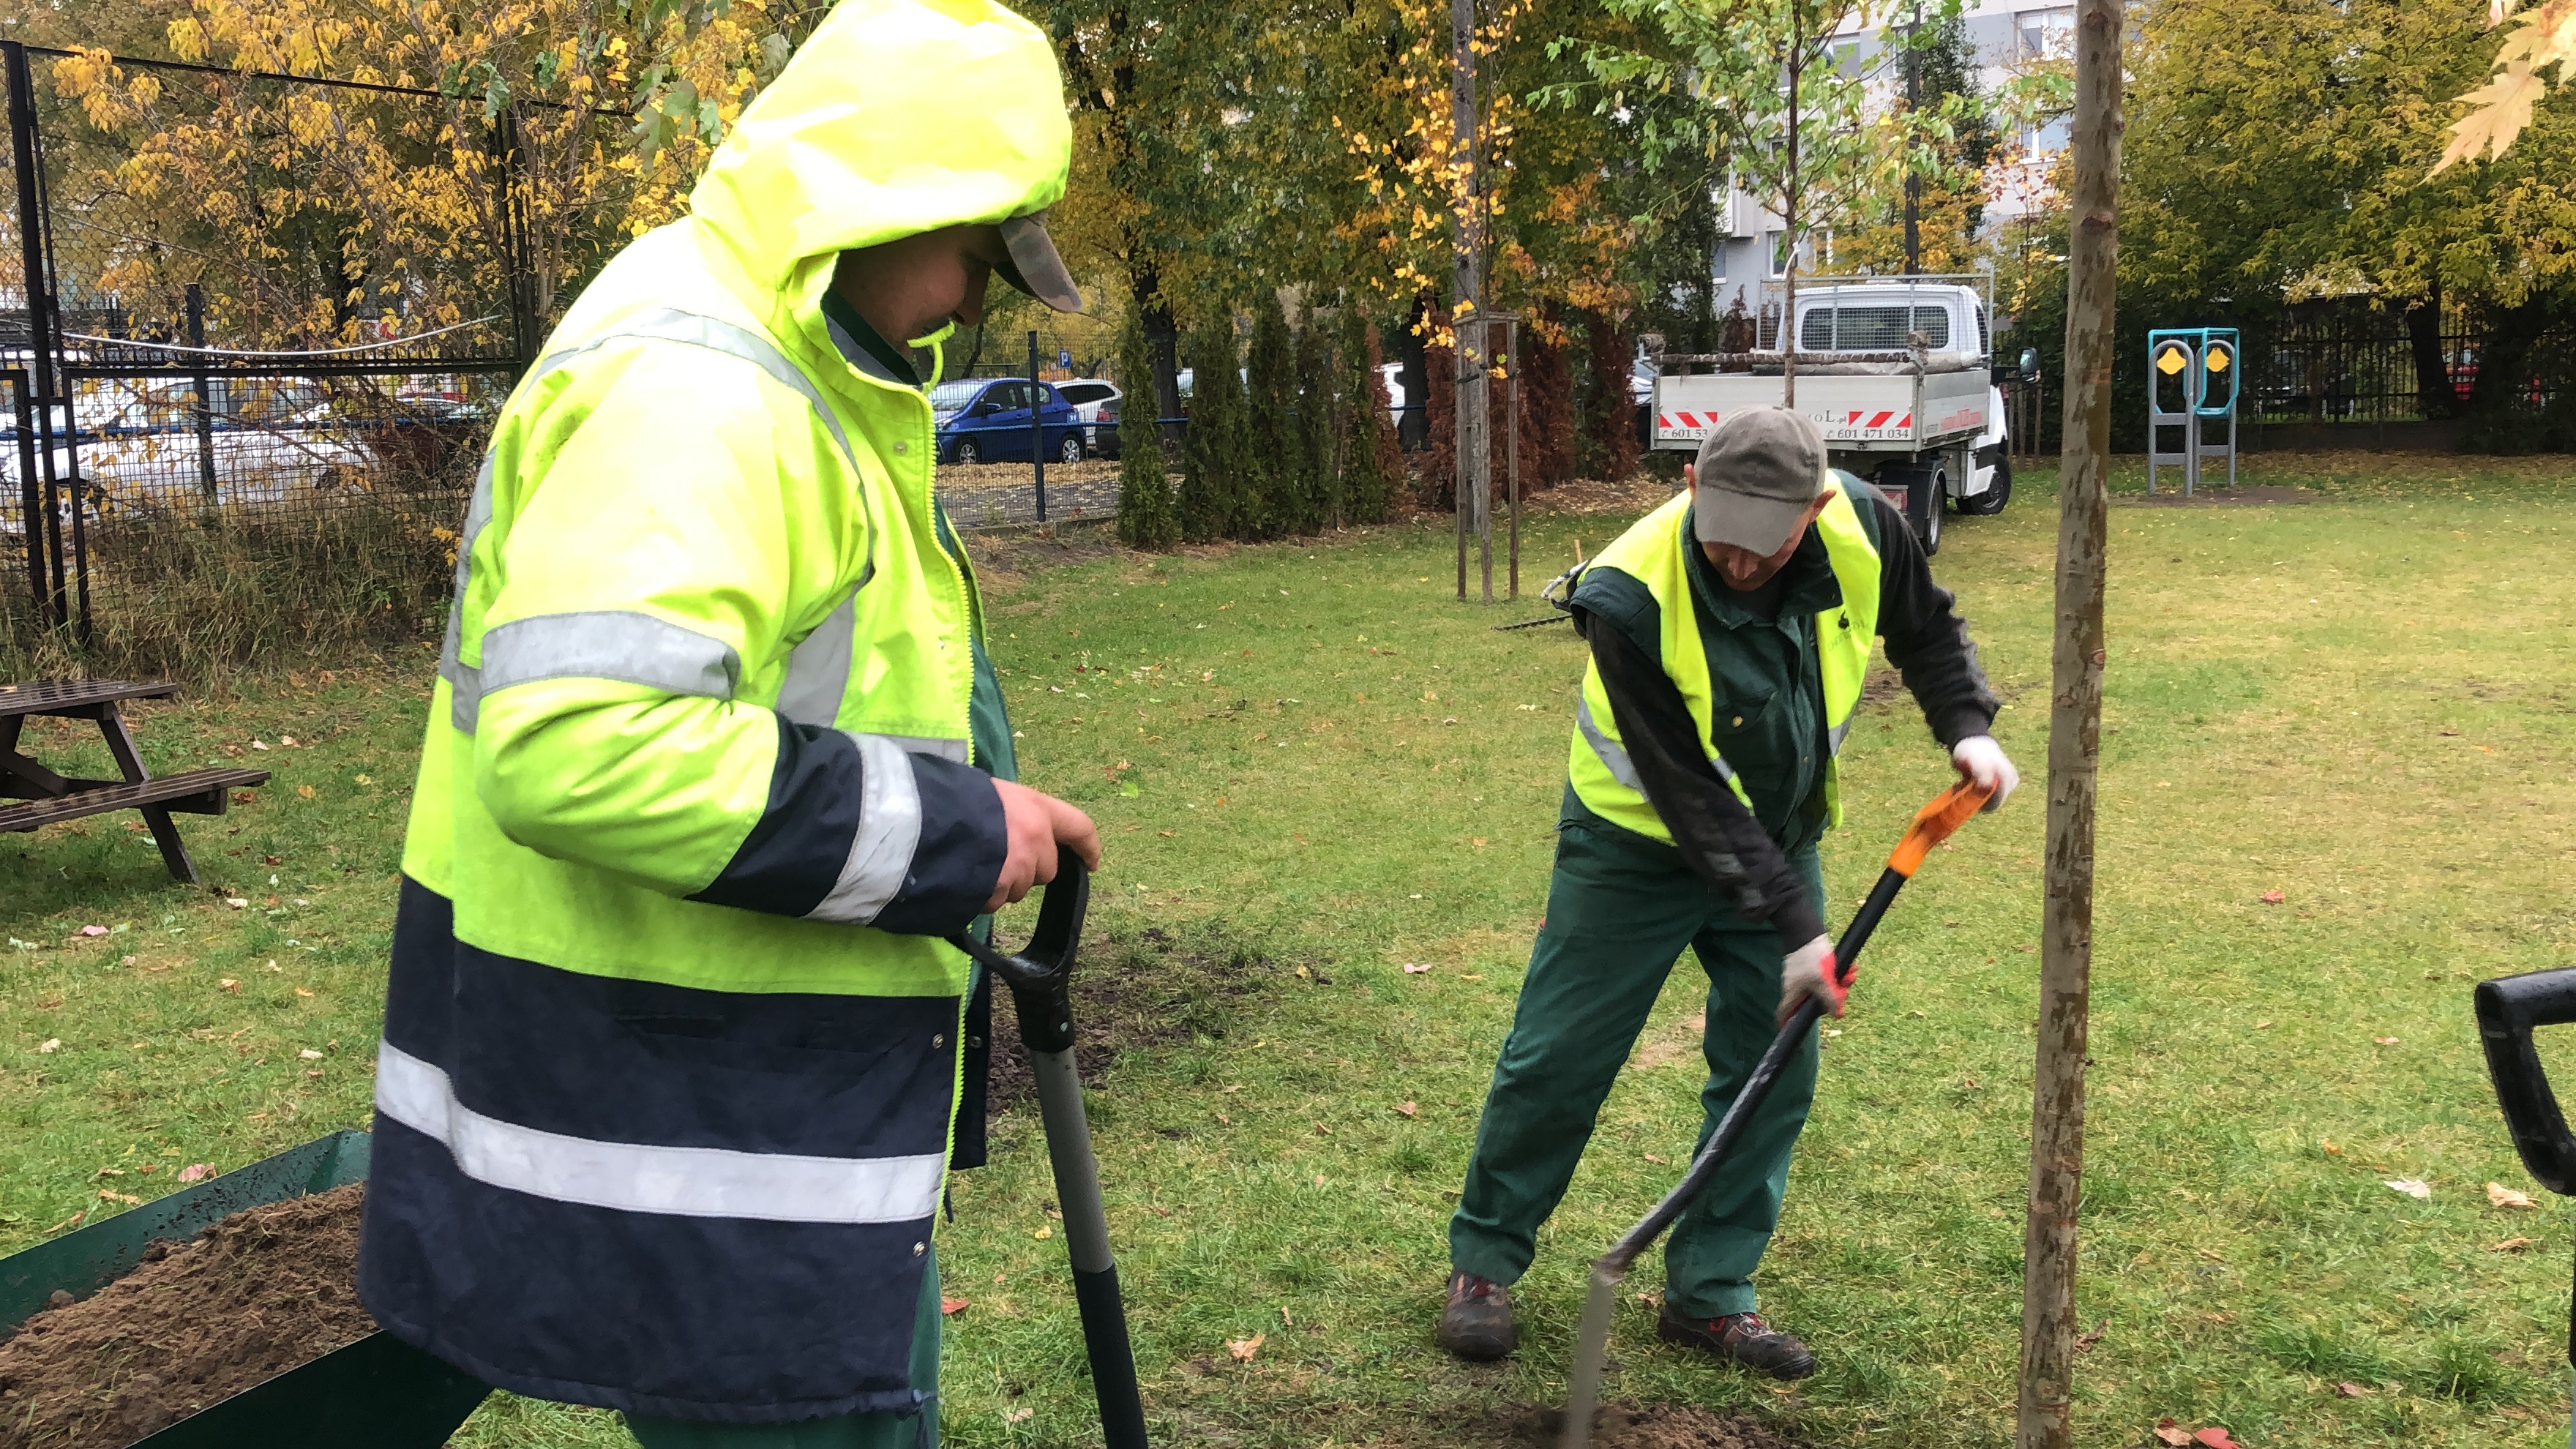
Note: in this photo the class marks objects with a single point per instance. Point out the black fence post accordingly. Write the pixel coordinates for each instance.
(1037, 425)
(205, 408)
(52, 603)
(525, 337)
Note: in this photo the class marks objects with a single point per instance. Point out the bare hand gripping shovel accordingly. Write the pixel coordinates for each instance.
(1038, 978)
(1932, 825)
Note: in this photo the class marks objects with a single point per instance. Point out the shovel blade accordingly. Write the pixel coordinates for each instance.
(1591, 1350)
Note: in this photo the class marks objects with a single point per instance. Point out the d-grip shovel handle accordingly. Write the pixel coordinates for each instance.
(1040, 973)
(2508, 1010)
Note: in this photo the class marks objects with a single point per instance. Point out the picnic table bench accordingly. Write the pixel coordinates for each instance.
(51, 798)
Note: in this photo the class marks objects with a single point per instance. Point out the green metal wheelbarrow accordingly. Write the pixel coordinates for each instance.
(379, 1391)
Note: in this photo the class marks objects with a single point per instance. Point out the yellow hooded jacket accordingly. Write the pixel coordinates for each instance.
(671, 1042)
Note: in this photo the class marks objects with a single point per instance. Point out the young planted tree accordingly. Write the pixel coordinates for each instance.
(1147, 515)
(1370, 454)
(1318, 492)
(2048, 1322)
(1270, 381)
(1212, 467)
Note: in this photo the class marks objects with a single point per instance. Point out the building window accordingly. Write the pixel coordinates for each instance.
(2047, 34)
(1776, 243)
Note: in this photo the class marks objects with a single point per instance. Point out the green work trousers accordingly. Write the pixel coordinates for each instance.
(917, 1430)
(1619, 911)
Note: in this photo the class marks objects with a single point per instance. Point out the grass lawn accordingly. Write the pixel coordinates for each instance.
(2365, 702)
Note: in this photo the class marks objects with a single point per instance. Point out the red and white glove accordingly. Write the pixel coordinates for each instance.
(1981, 761)
(1810, 971)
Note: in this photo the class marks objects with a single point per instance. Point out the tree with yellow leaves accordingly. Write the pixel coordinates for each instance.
(311, 215)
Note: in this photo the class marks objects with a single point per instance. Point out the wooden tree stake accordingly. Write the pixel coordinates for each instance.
(2048, 1322)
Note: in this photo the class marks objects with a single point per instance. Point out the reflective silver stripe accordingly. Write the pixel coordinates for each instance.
(670, 324)
(1614, 757)
(1834, 737)
(818, 670)
(608, 644)
(953, 751)
(889, 831)
(697, 1182)
(662, 324)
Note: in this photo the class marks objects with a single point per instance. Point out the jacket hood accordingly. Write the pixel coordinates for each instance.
(895, 117)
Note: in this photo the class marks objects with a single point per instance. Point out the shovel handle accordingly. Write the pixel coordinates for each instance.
(1040, 972)
(1934, 822)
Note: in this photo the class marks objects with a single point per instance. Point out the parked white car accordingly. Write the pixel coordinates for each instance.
(1089, 395)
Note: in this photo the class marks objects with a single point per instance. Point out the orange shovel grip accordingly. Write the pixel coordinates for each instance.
(1933, 823)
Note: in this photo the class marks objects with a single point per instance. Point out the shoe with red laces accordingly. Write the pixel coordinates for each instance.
(1477, 1324)
(1739, 1338)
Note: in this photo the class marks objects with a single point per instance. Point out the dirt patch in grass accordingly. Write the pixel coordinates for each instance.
(1002, 562)
(1133, 991)
(2217, 497)
(195, 1323)
(1637, 1426)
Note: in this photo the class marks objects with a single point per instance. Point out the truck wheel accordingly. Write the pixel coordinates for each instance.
(1923, 509)
(1997, 494)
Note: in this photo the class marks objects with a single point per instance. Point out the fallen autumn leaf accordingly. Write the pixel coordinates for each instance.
(1244, 1348)
(50, 1045)
(2413, 1187)
(196, 1172)
(2499, 1195)
(2270, 898)
(2171, 1433)
(951, 1306)
(1407, 1108)
(2214, 1437)
(2347, 1390)
(2509, 1245)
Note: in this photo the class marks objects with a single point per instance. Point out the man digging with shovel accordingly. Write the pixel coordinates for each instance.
(1729, 631)
(670, 1078)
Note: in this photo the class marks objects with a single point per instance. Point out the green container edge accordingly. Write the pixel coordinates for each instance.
(378, 1391)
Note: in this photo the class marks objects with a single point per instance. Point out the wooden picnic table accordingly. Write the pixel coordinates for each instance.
(52, 798)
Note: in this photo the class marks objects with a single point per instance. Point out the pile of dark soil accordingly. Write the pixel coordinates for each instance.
(1131, 991)
(195, 1323)
(1644, 1426)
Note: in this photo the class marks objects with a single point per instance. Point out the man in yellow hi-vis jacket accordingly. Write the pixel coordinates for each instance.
(1730, 631)
(673, 1048)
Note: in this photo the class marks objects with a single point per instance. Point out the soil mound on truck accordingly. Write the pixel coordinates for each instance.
(195, 1323)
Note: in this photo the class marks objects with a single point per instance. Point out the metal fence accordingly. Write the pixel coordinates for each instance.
(234, 303)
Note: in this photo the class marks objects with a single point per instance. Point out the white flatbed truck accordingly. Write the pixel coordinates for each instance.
(1895, 372)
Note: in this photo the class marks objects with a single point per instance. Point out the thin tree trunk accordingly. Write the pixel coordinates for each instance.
(1789, 221)
(2048, 1324)
(1475, 469)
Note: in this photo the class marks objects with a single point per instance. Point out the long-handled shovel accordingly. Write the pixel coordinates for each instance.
(1932, 825)
(1038, 978)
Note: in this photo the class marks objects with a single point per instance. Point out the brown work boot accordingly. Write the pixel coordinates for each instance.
(1739, 1338)
(1477, 1324)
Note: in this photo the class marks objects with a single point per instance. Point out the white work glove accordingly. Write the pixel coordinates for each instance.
(1810, 971)
(1981, 761)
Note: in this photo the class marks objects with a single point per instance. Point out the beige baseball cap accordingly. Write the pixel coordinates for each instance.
(1758, 471)
(1033, 265)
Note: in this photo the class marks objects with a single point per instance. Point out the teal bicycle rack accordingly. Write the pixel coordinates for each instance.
(379, 1392)
(2192, 377)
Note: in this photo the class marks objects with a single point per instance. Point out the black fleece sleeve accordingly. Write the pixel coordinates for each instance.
(1927, 641)
(1717, 835)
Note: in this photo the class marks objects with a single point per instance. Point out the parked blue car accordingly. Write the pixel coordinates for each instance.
(987, 421)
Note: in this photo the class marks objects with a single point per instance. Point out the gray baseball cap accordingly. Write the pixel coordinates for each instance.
(1033, 266)
(1758, 470)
